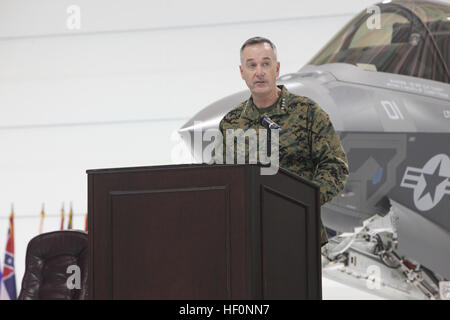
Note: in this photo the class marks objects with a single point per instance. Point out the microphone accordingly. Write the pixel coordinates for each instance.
(267, 123)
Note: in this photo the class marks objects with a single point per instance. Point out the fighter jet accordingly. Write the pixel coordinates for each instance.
(384, 79)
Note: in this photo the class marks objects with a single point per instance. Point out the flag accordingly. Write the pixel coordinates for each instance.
(0, 277)
(41, 225)
(69, 224)
(8, 285)
(62, 217)
(86, 223)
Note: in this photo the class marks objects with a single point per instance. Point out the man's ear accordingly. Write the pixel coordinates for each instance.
(242, 72)
(278, 68)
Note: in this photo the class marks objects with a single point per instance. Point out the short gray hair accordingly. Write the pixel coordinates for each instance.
(257, 40)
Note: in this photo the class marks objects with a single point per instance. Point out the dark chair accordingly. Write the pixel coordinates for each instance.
(48, 266)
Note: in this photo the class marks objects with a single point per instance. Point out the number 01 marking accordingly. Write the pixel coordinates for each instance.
(392, 110)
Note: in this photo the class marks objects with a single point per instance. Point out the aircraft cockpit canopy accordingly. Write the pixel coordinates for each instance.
(402, 37)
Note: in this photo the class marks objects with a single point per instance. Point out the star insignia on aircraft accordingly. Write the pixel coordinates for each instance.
(430, 183)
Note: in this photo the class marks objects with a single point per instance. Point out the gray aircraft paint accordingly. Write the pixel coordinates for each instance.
(419, 235)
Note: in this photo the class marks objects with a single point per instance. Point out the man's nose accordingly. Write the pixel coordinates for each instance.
(259, 71)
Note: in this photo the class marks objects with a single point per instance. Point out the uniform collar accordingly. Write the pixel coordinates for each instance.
(252, 112)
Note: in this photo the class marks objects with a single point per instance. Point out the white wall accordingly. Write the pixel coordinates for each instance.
(112, 93)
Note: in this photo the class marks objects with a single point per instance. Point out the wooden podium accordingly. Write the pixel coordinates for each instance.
(202, 232)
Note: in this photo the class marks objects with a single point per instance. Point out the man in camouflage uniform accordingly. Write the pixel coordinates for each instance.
(308, 144)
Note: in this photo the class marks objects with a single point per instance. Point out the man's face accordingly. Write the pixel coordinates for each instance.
(259, 68)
